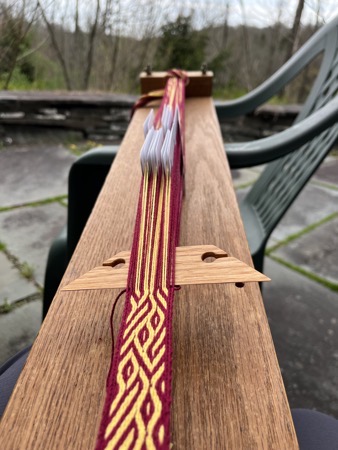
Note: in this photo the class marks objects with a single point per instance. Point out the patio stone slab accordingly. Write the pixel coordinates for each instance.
(315, 251)
(19, 328)
(303, 318)
(328, 171)
(243, 177)
(28, 233)
(13, 286)
(33, 173)
(313, 204)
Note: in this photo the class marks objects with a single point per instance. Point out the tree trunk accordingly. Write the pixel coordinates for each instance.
(56, 48)
(293, 37)
(225, 30)
(247, 55)
(23, 34)
(113, 62)
(91, 47)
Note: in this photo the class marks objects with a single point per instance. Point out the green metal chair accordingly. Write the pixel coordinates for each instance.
(294, 154)
(85, 181)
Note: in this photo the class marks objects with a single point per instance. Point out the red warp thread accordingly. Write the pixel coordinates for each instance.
(136, 413)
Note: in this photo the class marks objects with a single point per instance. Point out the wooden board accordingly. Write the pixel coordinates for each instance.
(199, 84)
(227, 387)
(195, 264)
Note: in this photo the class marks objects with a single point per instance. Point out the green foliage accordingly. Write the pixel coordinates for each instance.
(18, 80)
(82, 147)
(47, 76)
(10, 34)
(6, 307)
(46, 201)
(218, 65)
(15, 41)
(228, 92)
(180, 45)
(28, 58)
(47, 73)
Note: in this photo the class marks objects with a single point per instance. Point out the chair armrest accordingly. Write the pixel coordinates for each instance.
(86, 178)
(247, 154)
(103, 155)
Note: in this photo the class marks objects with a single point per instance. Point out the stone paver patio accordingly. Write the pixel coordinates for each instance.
(301, 301)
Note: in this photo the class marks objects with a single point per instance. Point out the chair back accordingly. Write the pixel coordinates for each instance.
(283, 179)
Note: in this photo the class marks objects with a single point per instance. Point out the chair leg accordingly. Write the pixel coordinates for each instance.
(258, 259)
(86, 179)
(56, 265)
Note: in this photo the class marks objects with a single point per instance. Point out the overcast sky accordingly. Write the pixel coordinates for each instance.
(260, 13)
(134, 14)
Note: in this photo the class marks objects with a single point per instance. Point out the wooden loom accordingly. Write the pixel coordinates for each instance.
(228, 391)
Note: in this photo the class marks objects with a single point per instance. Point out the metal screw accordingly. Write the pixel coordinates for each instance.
(148, 69)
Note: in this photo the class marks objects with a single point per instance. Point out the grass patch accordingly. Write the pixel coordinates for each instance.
(312, 276)
(306, 230)
(5, 307)
(228, 92)
(26, 271)
(24, 268)
(9, 307)
(2, 247)
(32, 204)
(78, 148)
(244, 185)
(233, 92)
(325, 185)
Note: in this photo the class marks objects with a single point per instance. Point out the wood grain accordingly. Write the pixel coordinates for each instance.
(227, 387)
(191, 267)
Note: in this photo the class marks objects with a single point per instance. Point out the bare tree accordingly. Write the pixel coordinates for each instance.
(275, 40)
(112, 23)
(22, 29)
(56, 47)
(92, 35)
(247, 53)
(294, 32)
(225, 28)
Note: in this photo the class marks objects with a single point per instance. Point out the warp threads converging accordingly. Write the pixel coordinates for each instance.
(137, 407)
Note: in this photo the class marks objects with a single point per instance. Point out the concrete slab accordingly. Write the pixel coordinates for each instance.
(13, 286)
(33, 173)
(259, 168)
(315, 251)
(312, 205)
(19, 328)
(39, 135)
(28, 233)
(243, 177)
(303, 317)
(328, 171)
